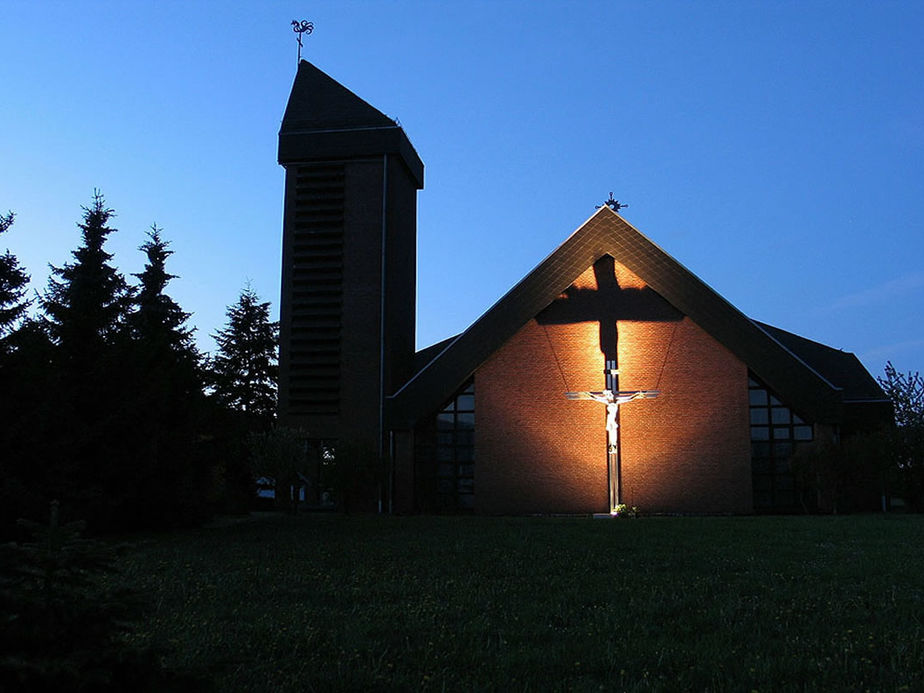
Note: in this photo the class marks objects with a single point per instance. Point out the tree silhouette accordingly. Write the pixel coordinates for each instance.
(242, 378)
(89, 466)
(67, 619)
(87, 300)
(158, 322)
(24, 354)
(166, 392)
(245, 369)
(906, 391)
(13, 283)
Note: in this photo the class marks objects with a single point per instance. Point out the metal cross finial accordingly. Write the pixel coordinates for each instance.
(301, 27)
(615, 205)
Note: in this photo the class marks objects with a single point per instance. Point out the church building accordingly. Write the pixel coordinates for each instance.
(608, 375)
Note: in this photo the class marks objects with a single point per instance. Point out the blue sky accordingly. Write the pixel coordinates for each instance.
(776, 149)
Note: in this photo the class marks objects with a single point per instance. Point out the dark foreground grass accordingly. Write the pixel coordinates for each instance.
(422, 603)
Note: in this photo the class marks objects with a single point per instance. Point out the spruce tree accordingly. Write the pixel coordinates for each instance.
(87, 300)
(242, 378)
(158, 322)
(13, 283)
(22, 374)
(245, 369)
(67, 620)
(167, 393)
(85, 306)
(30, 414)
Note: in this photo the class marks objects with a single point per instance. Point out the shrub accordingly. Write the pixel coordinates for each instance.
(64, 618)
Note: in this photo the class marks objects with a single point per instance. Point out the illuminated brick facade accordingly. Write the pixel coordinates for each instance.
(686, 451)
(546, 454)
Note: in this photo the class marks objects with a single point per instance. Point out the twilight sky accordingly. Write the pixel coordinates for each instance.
(775, 149)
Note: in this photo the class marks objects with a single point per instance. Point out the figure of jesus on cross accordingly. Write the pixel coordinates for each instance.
(612, 400)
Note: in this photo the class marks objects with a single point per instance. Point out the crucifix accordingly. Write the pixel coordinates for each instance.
(608, 304)
(612, 399)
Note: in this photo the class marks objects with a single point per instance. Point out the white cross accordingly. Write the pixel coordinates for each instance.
(612, 400)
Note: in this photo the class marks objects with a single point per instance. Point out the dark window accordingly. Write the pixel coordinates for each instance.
(455, 452)
(445, 421)
(776, 432)
(782, 450)
(780, 415)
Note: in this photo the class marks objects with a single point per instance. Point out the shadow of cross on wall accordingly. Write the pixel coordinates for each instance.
(608, 304)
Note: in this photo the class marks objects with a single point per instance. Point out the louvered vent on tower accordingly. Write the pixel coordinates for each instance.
(317, 290)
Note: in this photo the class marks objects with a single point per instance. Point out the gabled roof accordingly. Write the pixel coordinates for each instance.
(427, 354)
(839, 367)
(324, 119)
(606, 233)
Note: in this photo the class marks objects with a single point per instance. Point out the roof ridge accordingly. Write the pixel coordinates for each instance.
(607, 233)
(763, 326)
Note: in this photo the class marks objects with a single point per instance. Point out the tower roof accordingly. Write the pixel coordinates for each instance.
(325, 120)
(319, 102)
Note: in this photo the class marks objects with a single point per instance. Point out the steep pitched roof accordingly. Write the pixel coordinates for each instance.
(839, 367)
(323, 118)
(318, 102)
(607, 233)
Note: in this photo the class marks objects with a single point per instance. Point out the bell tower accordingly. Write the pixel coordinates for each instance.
(349, 261)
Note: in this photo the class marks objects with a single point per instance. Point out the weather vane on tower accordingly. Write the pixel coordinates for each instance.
(301, 27)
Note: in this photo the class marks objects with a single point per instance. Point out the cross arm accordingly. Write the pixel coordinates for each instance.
(638, 394)
(621, 395)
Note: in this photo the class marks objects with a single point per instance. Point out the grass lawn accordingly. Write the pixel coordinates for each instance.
(465, 603)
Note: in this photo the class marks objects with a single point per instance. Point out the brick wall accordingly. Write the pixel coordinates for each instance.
(686, 451)
(535, 450)
(689, 449)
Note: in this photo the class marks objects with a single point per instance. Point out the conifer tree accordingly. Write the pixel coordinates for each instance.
(29, 430)
(90, 467)
(242, 378)
(158, 322)
(67, 620)
(245, 369)
(13, 282)
(87, 300)
(167, 394)
(21, 379)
